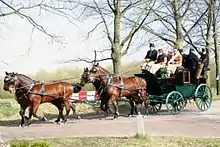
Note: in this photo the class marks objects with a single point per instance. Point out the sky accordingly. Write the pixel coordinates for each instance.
(46, 55)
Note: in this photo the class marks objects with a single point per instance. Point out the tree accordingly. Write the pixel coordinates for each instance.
(24, 10)
(216, 37)
(121, 20)
(178, 19)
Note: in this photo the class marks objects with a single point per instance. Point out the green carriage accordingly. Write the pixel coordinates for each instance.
(175, 91)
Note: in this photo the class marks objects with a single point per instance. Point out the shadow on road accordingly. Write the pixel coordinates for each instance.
(88, 116)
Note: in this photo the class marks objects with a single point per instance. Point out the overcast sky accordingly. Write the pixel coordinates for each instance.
(15, 41)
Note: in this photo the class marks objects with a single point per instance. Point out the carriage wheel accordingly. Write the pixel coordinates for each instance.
(203, 97)
(175, 102)
(154, 107)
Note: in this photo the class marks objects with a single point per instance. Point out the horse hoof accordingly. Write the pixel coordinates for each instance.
(78, 117)
(56, 121)
(21, 126)
(64, 121)
(25, 117)
(44, 119)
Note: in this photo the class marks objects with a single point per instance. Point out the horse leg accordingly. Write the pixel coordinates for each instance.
(146, 106)
(73, 108)
(35, 107)
(137, 105)
(116, 114)
(30, 114)
(104, 102)
(112, 101)
(67, 106)
(22, 114)
(132, 108)
(60, 107)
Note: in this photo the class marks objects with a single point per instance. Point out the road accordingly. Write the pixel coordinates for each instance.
(191, 122)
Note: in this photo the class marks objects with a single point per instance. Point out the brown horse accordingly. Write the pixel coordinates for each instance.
(111, 88)
(30, 93)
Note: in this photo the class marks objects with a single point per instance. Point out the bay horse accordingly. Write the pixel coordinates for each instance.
(111, 87)
(31, 93)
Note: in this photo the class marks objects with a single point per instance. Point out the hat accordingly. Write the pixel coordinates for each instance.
(152, 45)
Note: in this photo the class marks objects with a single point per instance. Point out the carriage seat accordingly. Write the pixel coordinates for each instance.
(161, 73)
(183, 75)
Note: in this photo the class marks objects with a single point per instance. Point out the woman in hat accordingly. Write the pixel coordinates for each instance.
(175, 61)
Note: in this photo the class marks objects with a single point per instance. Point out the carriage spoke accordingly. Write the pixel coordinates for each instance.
(175, 102)
(203, 97)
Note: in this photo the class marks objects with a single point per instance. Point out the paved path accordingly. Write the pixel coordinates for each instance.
(189, 123)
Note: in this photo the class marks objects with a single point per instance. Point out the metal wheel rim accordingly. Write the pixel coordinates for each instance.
(175, 102)
(203, 97)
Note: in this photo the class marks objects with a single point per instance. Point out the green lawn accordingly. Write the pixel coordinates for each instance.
(6, 109)
(148, 141)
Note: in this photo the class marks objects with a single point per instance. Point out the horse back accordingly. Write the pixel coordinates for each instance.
(58, 88)
(130, 82)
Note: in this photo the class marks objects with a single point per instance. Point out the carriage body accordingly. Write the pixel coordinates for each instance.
(175, 91)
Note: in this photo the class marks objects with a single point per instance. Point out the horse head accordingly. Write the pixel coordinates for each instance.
(97, 73)
(85, 77)
(14, 81)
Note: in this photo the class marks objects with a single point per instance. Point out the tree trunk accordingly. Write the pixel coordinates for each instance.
(179, 31)
(215, 32)
(116, 48)
(116, 60)
(208, 40)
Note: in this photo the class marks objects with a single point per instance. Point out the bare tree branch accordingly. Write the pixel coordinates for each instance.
(30, 20)
(197, 21)
(86, 60)
(113, 10)
(104, 21)
(135, 29)
(93, 29)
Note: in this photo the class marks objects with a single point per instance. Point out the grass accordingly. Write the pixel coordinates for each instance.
(6, 109)
(148, 141)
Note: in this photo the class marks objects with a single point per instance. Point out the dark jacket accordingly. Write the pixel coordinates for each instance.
(152, 55)
(192, 61)
(160, 58)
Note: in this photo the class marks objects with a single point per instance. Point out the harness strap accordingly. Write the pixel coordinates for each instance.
(43, 89)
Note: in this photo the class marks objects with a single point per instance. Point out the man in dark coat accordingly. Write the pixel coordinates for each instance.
(192, 60)
(151, 56)
(204, 58)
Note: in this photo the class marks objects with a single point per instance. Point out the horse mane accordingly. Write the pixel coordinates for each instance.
(24, 77)
(104, 69)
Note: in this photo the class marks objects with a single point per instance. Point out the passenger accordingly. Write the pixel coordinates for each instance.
(159, 63)
(150, 58)
(203, 63)
(175, 61)
(192, 60)
(169, 55)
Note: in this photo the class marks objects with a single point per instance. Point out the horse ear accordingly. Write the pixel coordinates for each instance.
(87, 69)
(6, 73)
